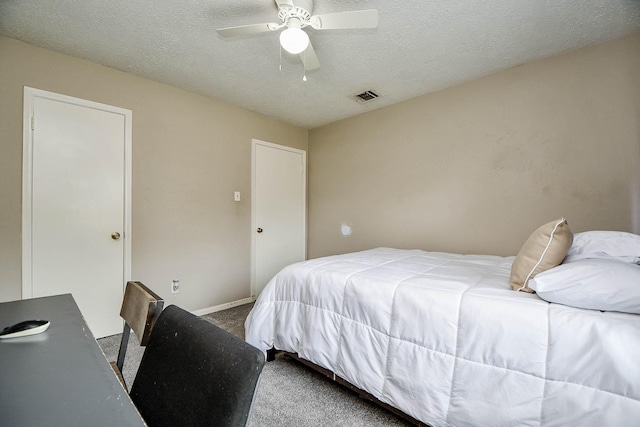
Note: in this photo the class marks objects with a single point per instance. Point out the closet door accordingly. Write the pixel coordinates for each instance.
(77, 211)
(278, 210)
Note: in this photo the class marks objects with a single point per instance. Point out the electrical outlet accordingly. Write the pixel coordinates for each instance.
(175, 286)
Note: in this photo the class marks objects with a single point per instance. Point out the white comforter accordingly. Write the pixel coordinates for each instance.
(443, 338)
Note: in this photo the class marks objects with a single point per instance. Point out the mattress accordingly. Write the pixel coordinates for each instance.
(443, 338)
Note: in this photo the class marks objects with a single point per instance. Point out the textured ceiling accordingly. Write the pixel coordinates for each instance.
(418, 47)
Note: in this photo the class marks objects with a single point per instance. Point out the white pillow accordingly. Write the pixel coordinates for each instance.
(598, 284)
(604, 244)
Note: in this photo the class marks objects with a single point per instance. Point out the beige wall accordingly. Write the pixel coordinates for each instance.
(190, 153)
(477, 167)
(471, 169)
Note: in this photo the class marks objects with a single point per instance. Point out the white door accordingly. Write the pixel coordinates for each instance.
(76, 213)
(278, 211)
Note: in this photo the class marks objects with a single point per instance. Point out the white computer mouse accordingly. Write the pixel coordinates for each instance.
(26, 328)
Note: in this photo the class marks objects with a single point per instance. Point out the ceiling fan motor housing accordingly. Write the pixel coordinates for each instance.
(301, 10)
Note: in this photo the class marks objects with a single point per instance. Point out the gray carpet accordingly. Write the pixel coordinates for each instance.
(289, 394)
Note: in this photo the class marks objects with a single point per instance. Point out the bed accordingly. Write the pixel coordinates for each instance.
(446, 340)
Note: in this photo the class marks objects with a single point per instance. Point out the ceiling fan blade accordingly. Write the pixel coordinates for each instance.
(282, 3)
(345, 20)
(309, 59)
(245, 30)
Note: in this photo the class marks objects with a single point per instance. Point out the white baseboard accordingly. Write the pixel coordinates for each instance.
(223, 306)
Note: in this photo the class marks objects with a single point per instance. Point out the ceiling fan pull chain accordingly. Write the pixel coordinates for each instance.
(304, 69)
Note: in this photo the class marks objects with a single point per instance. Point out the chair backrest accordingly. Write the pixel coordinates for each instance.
(140, 309)
(194, 373)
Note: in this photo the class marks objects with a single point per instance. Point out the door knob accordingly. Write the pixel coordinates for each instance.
(115, 235)
(259, 230)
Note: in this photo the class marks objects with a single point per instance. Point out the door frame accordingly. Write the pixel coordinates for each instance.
(254, 225)
(27, 178)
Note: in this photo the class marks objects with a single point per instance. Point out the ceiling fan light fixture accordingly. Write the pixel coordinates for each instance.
(294, 40)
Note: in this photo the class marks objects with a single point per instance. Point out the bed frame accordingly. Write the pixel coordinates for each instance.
(271, 356)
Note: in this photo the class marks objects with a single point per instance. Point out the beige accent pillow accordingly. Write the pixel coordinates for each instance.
(544, 249)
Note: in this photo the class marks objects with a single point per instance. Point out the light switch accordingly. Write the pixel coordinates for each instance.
(236, 196)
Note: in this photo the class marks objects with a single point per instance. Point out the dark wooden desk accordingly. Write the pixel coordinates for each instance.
(59, 377)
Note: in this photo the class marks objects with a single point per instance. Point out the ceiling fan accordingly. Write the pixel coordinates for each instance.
(294, 16)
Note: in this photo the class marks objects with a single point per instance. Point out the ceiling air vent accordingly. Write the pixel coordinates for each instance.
(366, 96)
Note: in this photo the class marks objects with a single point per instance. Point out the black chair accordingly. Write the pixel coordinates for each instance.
(140, 309)
(193, 373)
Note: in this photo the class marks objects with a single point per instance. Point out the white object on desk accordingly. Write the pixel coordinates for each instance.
(24, 329)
